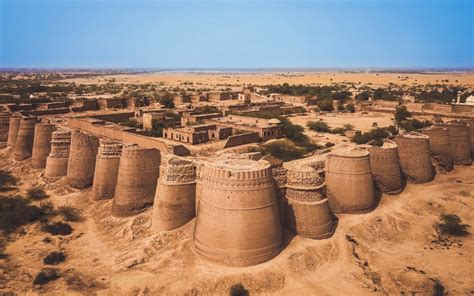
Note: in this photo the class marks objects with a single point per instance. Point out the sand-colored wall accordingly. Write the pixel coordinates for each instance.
(414, 154)
(241, 139)
(4, 127)
(138, 172)
(385, 167)
(106, 170)
(58, 158)
(24, 141)
(349, 183)
(174, 203)
(41, 144)
(238, 223)
(13, 128)
(82, 157)
(459, 143)
(307, 211)
(439, 146)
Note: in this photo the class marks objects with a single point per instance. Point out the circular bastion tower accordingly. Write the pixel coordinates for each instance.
(24, 141)
(41, 144)
(82, 156)
(106, 170)
(56, 163)
(439, 146)
(414, 154)
(349, 183)
(307, 211)
(175, 196)
(385, 167)
(4, 127)
(238, 223)
(13, 128)
(139, 169)
(459, 143)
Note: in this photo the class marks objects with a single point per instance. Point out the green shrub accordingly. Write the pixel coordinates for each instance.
(6, 179)
(374, 137)
(36, 193)
(318, 126)
(54, 258)
(57, 228)
(238, 290)
(414, 124)
(451, 225)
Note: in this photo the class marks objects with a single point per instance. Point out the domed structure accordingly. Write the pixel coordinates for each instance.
(238, 222)
(56, 163)
(349, 184)
(415, 157)
(138, 172)
(24, 141)
(307, 211)
(174, 203)
(274, 121)
(41, 144)
(82, 156)
(106, 170)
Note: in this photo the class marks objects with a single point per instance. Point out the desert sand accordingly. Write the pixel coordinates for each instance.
(394, 249)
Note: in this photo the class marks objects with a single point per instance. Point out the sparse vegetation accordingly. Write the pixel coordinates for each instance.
(16, 211)
(7, 180)
(69, 214)
(36, 193)
(45, 276)
(57, 228)
(374, 137)
(451, 225)
(54, 258)
(318, 126)
(238, 290)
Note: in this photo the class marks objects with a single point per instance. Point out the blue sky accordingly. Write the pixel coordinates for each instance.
(237, 34)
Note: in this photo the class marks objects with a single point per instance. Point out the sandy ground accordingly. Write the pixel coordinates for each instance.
(201, 80)
(391, 250)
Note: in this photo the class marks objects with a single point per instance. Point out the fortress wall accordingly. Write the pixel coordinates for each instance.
(349, 184)
(4, 127)
(439, 146)
(57, 161)
(106, 170)
(241, 139)
(13, 128)
(238, 223)
(175, 196)
(82, 156)
(307, 211)
(414, 154)
(41, 144)
(385, 167)
(459, 143)
(139, 169)
(471, 135)
(24, 141)
(279, 173)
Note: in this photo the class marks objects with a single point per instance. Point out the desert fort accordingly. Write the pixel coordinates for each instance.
(236, 183)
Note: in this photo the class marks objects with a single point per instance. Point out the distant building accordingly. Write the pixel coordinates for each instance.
(197, 134)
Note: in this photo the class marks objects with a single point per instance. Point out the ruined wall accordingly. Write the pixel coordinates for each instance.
(307, 211)
(385, 167)
(238, 223)
(349, 184)
(82, 156)
(24, 141)
(56, 163)
(106, 170)
(41, 144)
(414, 154)
(4, 127)
(471, 135)
(462, 109)
(241, 139)
(459, 143)
(13, 128)
(138, 172)
(439, 146)
(174, 203)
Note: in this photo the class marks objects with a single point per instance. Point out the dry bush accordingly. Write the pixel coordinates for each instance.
(45, 276)
(36, 193)
(54, 258)
(238, 290)
(451, 225)
(69, 214)
(57, 228)
(16, 211)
